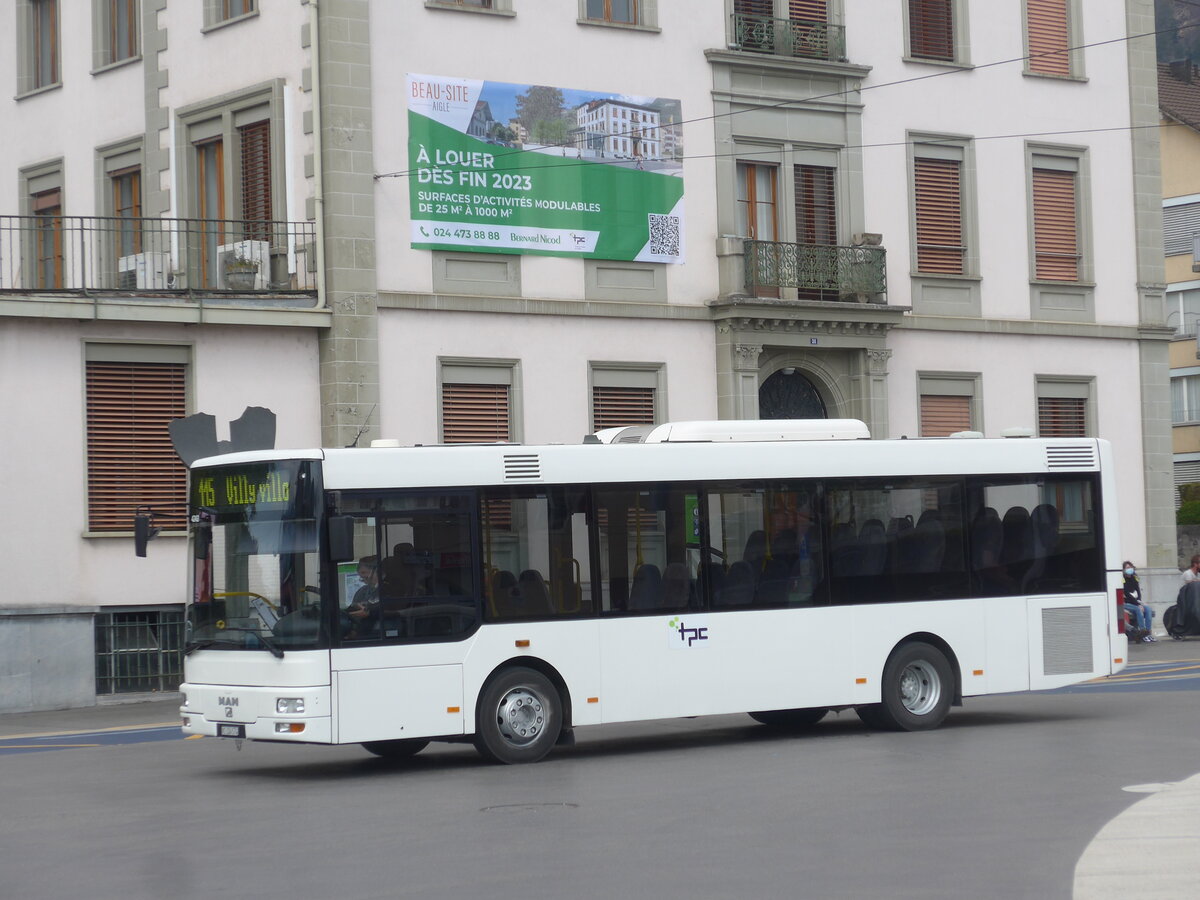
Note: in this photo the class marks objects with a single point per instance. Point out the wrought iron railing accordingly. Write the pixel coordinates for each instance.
(789, 37)
(139, 652)
(65, 254)
(836, 273)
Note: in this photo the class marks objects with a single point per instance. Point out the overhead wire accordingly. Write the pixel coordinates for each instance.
(563, 162)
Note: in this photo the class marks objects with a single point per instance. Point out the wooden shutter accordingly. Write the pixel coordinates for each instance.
(256, 178)
(1055, 234)
(617, 407)
(130, 459)
(1046, 26)
(764, 8)
(939, 215)
(816, 205)
(808, 10)
(1062, 417)
(931, 29)
(474, 413)
(944, 414)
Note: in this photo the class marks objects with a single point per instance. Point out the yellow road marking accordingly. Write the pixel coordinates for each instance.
(1161, 671)
(193, 737)
(43, 746)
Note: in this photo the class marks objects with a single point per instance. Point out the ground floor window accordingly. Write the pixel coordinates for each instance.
(139, 651)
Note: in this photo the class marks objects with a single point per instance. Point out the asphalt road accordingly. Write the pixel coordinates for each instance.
(998, 803)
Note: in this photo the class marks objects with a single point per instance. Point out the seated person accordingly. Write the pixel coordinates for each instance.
(363, 610)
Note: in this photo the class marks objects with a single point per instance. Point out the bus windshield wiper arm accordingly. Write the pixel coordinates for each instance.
(267, 642)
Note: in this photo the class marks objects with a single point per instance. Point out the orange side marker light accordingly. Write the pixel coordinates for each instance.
(522, 643)
(860, 681)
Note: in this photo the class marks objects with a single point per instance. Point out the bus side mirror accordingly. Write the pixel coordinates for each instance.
(143, 530)
(341, 538)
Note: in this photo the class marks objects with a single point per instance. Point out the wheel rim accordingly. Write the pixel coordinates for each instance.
(920, 688)
(521, 716)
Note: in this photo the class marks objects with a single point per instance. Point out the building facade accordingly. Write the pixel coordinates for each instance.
(486, 220)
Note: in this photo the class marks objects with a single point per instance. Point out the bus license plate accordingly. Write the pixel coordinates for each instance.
(231, 731)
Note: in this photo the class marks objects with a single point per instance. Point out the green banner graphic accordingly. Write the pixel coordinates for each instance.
(508, 168)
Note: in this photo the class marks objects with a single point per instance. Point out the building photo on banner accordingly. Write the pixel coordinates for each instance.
(533, 169)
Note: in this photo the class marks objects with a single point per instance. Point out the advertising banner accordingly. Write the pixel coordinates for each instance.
(516, 168)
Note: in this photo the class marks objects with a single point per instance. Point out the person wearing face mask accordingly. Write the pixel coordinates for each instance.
(1142, 614)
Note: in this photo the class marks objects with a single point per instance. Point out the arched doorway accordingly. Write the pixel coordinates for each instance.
(787, 394)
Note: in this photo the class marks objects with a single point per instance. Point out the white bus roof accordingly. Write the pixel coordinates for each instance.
(679, 454)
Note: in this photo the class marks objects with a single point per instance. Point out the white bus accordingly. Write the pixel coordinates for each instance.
(506, 594)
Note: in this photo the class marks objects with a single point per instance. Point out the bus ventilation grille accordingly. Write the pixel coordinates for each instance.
(522, 467)
(1071, 457)
(1067, 641)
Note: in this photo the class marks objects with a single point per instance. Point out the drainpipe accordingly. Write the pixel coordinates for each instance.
(314, 32)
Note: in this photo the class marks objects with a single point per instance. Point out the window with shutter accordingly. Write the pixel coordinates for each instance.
(938, 215)
(1062, 417)
(808, 10)
(816, 205)
(618, 407)
(1055, 229)
(931, 29)
(943, 415)
(255, 142)
(816, 225)
(130, 459)
(475, 413)
(1048, 32)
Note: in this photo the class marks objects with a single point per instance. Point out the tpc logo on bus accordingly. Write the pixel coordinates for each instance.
(685, 635)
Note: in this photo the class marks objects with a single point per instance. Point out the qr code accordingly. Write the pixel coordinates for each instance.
(664, 234)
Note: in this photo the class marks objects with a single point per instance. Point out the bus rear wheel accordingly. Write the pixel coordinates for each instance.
(518, 718)
(790, 719)
(395, 749)
(918, 688)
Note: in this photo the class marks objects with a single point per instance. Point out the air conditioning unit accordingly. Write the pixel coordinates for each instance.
(143, 271)
(256, 251)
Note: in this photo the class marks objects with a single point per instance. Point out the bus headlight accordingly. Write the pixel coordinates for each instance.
(289, 705)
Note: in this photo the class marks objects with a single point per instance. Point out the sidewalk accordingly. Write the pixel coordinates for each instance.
(164, 711)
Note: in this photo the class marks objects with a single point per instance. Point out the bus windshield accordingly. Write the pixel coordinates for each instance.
(256, 563)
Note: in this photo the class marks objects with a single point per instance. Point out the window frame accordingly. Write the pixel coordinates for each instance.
(951, 384)
(135, 354)
(1184, 413)
(104, 43)
(497, 8)
(959, 32)
(38, 181)
(645, 16)
(217, 14)
(1062, 158)
(1072, 19)
(475, 371)
(29, 47)
(628, 376)
(1067, 387)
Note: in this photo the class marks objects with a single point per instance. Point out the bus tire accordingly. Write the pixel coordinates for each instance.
(790, 719)
(518, 717)
(395, 750)
(918, 688)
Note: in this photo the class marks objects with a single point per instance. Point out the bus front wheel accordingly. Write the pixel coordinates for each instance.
(394, 750)
(918, 688)
(518, 718)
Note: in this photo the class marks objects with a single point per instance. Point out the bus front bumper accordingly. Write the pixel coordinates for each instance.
(297, 715)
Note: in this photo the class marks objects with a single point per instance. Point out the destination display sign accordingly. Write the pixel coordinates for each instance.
(263, 487)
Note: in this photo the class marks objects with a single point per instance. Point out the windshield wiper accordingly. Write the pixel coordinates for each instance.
(266, 641)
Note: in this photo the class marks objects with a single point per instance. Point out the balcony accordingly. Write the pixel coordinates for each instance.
(164, 259)
(798, 38)
(815, 271)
